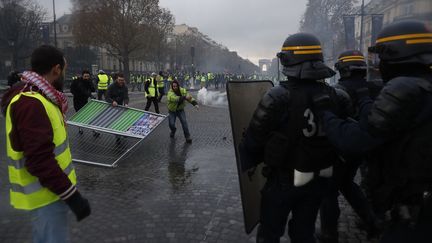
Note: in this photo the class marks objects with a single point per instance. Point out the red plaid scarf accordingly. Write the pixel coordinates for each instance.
(57, 97)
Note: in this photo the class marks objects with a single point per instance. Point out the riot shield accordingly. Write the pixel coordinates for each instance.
(243, 98)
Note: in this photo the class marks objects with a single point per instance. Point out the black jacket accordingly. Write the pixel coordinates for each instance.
(117, 93)
(81, 89)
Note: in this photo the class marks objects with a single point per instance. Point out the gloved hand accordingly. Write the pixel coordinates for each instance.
(246, 159)
(79, 206)
(181, 99)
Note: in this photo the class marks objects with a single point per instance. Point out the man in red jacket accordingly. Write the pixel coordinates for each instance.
(40, 167)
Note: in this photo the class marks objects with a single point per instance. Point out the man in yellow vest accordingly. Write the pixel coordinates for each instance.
(152, 93)
(203, 81)
(103, 82)
(161, 85)
(41, 173)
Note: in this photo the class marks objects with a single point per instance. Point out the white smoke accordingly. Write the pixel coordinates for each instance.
(212, 98)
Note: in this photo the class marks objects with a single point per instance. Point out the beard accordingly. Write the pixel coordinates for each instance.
(59, 83)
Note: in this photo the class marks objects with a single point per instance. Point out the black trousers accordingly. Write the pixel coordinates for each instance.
(161, 93)
(79, 102)
(401, 232)
(279, 200)
(343, 181)
(153, 100)
(100, 93)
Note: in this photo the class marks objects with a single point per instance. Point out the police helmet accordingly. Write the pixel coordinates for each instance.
(101, 72)
(408, 41)
(299, 48)
(351, 59)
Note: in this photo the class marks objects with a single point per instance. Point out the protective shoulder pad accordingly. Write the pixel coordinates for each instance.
(278, 94)
(398, 104)
(269, 112)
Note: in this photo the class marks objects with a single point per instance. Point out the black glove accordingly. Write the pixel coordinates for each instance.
(181, 99)
(79, 206)
(247, 159)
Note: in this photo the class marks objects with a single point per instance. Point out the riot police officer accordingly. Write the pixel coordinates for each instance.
(351, 66)
(285, 130)
(396, 129)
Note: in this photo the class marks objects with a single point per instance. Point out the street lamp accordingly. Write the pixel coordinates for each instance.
(55, 25)
(361, 26)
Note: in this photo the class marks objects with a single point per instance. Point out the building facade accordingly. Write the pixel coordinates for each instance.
(392, 10)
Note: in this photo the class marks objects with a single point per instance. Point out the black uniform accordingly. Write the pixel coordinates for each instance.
(286, 132)
(352, 68)
(81, 90)
(396, 129)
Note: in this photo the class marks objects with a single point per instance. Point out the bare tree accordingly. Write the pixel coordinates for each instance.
(123, 27)
(20, 22)
(324, 18)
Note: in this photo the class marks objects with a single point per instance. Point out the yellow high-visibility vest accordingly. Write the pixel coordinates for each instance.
(160, 81)
(151, 89)
(26, 192)
(103, 81)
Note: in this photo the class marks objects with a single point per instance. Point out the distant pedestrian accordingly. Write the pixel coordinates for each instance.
(161, 85)
(81, 89)
(103, 81)
(41, 172)
(151, 93)
(176, 104)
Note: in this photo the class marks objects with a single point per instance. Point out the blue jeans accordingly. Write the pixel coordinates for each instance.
(182, 117)
(50, 223)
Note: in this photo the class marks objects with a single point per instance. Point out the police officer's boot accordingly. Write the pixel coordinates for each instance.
(372, 224)
(326, 236)
(262, 238)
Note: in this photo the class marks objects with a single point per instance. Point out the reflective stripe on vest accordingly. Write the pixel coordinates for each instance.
(103, 81)
(19, 164)
(26, 192)
(36, 186)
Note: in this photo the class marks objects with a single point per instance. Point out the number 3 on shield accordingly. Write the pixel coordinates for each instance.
(313, 127)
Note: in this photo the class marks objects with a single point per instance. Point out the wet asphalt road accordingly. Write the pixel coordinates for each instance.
(165, 191)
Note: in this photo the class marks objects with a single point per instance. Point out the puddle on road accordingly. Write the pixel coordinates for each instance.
(199, 165)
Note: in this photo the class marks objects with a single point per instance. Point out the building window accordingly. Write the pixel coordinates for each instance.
(65, 28)
(407, 9)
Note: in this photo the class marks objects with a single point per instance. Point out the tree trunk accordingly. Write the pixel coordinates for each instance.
(14, 61)
(126, 71)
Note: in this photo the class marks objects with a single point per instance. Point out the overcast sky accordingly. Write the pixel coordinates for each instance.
(255, 29)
